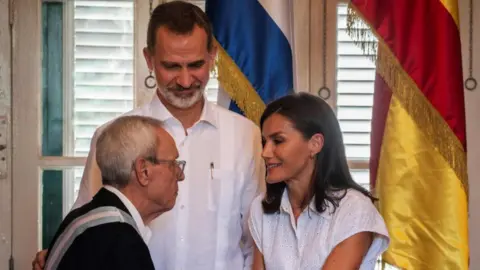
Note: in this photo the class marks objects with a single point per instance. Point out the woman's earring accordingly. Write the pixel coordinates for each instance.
(150, 82)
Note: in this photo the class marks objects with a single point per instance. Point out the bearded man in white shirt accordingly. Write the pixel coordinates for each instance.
(207, 229)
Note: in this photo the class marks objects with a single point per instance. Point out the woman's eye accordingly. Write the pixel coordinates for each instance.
(278, 141)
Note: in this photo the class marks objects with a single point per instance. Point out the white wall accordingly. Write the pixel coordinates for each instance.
(472, 102)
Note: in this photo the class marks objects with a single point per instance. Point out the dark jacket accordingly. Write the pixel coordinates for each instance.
(114, 245)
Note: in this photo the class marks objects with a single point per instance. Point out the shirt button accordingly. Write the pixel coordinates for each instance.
(182, 206)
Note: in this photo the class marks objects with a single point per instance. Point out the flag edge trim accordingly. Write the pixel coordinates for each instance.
(238, 87)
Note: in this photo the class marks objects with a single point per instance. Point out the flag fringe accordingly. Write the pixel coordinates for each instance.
(238, 87)
(427, 118)
(361, 33)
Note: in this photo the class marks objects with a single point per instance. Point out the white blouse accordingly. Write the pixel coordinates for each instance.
(307, 245)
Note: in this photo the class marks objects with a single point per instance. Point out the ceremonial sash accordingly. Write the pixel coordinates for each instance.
(97, 216)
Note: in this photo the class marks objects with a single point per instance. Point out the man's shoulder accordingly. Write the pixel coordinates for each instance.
(120, 236)
(89, 225)
(97, 230)
(97, 241)
(104, 203)
(113, 230)
(76, 213)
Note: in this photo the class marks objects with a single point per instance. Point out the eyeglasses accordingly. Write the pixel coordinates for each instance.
(180, 164)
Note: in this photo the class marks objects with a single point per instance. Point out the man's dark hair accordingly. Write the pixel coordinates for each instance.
(180, 18)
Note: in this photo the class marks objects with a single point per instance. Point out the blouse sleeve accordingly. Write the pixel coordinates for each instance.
(356, 214)
(255, 221)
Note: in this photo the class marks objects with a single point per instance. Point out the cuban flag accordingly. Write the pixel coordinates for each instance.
(255, 51)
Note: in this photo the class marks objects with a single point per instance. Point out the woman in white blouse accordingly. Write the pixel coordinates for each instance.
(313, 215)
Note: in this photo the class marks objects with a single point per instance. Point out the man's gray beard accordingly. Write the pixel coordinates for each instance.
(182, 103)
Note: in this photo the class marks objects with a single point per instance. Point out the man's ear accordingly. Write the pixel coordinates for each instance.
(315, 144)
(142, 171)
(148, 58)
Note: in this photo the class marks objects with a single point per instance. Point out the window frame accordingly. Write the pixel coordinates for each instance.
(316, 58)
(140, 94)
(68, 101)
(27, 159)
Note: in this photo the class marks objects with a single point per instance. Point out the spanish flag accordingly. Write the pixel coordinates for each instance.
(418, 164)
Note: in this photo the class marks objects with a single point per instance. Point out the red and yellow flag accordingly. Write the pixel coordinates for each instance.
(418, 164)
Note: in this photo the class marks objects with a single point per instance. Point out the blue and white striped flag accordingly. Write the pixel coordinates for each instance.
(255, 57)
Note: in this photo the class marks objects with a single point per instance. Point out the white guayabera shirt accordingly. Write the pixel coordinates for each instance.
(207, 229)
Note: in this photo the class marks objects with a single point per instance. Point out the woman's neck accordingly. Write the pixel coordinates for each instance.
(297, 194)
(299, 188)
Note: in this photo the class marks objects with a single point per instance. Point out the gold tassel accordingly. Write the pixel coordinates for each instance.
(427, 118)
(239, 88)
(360, 33)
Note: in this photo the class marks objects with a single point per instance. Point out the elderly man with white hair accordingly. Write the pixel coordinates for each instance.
(139, 167)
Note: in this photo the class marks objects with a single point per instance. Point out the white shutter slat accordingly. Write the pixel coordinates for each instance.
(356, 138)
(362, 177)
(103, 53)
(352, 126)
(102, 105)
(102, 26)
(356, 74)
(97, 12)
(104, 39)
(84, 131)
(105, 79)
(93, 118)
(104, 92)
(103, 67)
(355, 62)
(352, 100)
(357, 152)
(355, 85)
(107, 3)
(82, 144)
(354, 113)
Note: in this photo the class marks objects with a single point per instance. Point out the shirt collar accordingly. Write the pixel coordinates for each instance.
(161, 112)
(144, 231)
(286, 207)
